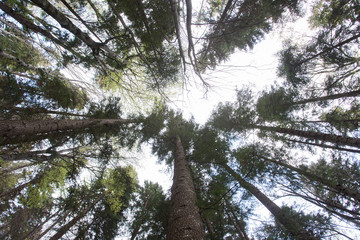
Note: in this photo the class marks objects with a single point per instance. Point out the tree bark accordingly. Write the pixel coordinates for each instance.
(337, 187)
(29, 25)
(20, 187)
(286, 220)
(185, 222)
(341, 140)
(14, 128)
(11, 169)
(51, 226)
(67, 24)
(328, 97)
(325, 146)
(73, 221)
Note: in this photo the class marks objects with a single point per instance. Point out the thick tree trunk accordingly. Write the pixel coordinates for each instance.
(73, 221)
(14, 128)
(337, 139)
(286, 220)
(185, 221)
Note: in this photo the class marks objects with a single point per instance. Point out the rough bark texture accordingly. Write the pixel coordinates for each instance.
(185, 221)
(14, 128)
(286, 220)
(337, 139)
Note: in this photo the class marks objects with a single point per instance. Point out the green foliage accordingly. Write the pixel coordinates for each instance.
(150, 212)
(239, 115)
(319, 225)
(38, 194)
(275, 105)
(119, 184)
(244, 25)
(343, 120)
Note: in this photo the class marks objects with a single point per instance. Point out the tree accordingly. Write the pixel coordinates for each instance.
(318, 224)
(277, 104)
(118, 186)
(240, 25)
(241, 116)
(172, 145)
(150, 219)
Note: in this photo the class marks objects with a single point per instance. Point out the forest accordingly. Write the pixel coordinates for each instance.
(85, 85)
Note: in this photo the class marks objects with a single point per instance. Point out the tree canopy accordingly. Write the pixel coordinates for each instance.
(86, 85)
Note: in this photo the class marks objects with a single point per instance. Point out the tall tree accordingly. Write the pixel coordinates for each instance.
(172, 145)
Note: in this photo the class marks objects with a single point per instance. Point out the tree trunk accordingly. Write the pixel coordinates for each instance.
(286, 220)
(341, 140)
(336, 187)
(185, 221)
(240, 234)
(79, 18)
(14, 128)
(209, 227)
(20, 187)
(325, 146)
(140, 221)
(66, 23)
(328, 97)
(239, 226)
(14, 168)
(51, 226)
(29, 25)
(73, 221)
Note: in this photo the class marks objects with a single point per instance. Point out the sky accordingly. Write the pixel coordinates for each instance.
(256, 68)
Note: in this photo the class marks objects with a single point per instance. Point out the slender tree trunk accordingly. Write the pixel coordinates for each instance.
(37, 230)
(286, 220)
(14, 128)
(326, 182)
(73, 221)
(140, 221)
(328, 97)
(29, 25)
(209, 227)
(185, 221)
(51, 226)
(11, 169)
(325, 146)
(79, 18)
(341, 140)
(23, 156)
(66, 23)
(20, 187)
(238, 225)
(235, 225)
